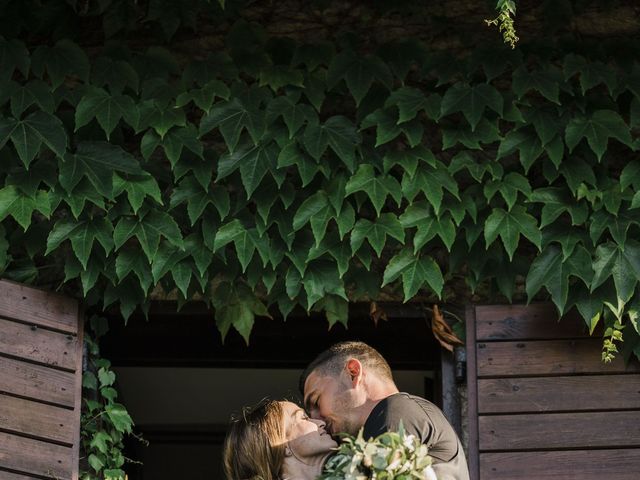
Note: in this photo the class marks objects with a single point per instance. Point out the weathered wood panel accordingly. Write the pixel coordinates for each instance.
(37, 419)
(517, 322)
(556, 394)
(559, 430)
(556, 357)
(4, 475)
(542, 404)
(38, 345)
(38, 307)
(37, 382)
(35, 457)
(617, 464)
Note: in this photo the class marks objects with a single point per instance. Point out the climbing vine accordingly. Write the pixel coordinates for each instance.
(504, 21)
(104, 421)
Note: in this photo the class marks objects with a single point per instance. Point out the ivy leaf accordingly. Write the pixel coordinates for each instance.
(63, 59)
(424, 270)
(556, 202)
(293, 114)
(591, 73)
(376, 233)
(160, 117)
(597, 129)
(150, 229)
(345, 219)
(618, 225)
(130, 260)
(397, 265)
(316, 204)
(227, 234)
(96, 462)
(14, 55)
(623, 264)
(34, 92)
(336, 309)
(525, 143)
(21, 206)
(343, 138)
(376, 187)
(547, 82)
(117, 74)
(237, 314)
(430, 180)
(409, 102)
(322, 280)
(509, 187)
(359, 73)
(577, 172)
(205, 96)
(97, 161)
(545, 121)
(179, 138)
(471, 101)
(231, 118)
(107, 109)
(408, 159)
(630, 175)
(278, 76)
(29, 134)
(119, 417)
(552, 271)
(386, 126)
(485, 132)
(256, 164)
(166, 257)
(432, 226)
(509, 225)
(137, 188)
(82, 236)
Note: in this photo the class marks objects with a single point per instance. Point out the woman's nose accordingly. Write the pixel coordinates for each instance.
(321, 423)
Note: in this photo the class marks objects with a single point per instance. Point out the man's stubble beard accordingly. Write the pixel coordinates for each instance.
(349, 422)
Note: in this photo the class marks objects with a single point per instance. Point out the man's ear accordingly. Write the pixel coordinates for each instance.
(354, 369)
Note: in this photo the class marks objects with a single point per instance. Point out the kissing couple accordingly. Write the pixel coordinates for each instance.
(346, 388)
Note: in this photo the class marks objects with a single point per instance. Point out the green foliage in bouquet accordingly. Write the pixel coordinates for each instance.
(390, 456)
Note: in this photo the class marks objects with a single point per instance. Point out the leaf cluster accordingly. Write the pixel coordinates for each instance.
(275, 174)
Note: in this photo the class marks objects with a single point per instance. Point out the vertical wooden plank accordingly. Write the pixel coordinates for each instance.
(472, 390)
(78, 397)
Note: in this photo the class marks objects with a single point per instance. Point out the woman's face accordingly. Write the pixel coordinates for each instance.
(306, 436)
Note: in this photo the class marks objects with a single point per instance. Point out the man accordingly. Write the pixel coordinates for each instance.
(350, 386)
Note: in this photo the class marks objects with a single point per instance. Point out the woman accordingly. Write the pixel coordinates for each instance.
(276, 440)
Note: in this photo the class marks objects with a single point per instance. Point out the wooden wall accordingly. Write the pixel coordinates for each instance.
(542, 404)
(40, 384)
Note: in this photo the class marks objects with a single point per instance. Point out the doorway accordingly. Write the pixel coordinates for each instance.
(181, 383)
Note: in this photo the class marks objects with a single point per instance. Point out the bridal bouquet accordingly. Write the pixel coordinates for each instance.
(390, 456)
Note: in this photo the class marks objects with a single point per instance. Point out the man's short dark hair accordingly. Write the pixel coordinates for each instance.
(332, 360)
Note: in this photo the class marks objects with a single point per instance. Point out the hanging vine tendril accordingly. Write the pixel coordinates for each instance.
(504, 21)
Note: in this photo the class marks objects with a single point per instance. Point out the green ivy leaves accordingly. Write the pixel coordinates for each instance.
(257, 182)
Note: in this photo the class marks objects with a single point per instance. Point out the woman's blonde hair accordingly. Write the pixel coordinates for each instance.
(254, 448)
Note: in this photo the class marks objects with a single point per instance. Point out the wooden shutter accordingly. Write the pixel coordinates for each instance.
(40, 383)
(542, 405)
